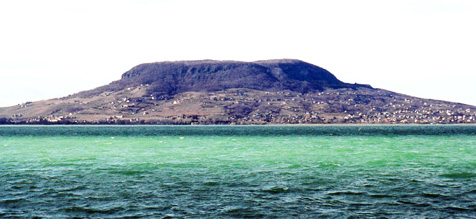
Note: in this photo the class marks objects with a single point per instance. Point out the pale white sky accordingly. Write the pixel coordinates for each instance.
(424, 48)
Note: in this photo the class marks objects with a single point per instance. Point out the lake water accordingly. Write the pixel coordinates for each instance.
(238, 171)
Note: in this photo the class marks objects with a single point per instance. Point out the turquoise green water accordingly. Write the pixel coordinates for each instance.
(243, 171)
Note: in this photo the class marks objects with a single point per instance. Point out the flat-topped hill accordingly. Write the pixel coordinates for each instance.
(166, 79)
(282, 91)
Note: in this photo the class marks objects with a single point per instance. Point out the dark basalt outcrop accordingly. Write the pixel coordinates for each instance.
(169, 78)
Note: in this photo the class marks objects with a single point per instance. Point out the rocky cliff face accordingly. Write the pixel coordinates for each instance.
(230, 92)
(166, 79)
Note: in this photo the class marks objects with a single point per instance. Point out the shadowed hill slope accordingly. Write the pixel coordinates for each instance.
(166, 79)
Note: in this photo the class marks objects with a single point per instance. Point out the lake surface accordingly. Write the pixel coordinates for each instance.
(238, 171)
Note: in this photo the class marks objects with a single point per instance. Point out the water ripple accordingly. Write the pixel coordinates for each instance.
(213, 176)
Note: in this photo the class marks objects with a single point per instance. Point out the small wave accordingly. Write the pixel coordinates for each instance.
(291, 166)
(345, 193)
(276, 189)
(129, 172)
(100, 198)
(457, 208)
(211, 183)
(12, 200)
(471, 192)
(69, 195)
(357, 204)
(93, 210)
(21, 187)
(381, 196)
(459, 175)
(414, 203)
(435, 195)
(61, 164)
(72, 188)
(241, 212)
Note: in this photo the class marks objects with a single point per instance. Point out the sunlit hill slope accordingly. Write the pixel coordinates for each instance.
(232, 92)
